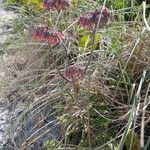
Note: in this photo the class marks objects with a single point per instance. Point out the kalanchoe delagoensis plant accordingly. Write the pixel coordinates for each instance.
(89, 20)
(48, 35)
(56, 4)
(73, 73)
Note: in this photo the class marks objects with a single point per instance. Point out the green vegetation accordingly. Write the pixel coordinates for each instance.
(105, 105)
(36, 4)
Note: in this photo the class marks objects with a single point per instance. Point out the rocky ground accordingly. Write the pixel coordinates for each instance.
(6, 18)
(30, 130)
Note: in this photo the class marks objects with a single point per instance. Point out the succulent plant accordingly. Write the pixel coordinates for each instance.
(48, 35)
(56, 4)
(89, 20)
(73, 72)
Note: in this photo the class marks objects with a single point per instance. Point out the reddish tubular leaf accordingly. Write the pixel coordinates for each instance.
(60, 36)
(56, 4)
(49, 35)
(73, 73)
(90, 19)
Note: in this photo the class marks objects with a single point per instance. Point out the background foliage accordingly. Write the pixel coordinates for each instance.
(113, 93)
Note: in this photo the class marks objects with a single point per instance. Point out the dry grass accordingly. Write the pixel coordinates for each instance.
(112, 106)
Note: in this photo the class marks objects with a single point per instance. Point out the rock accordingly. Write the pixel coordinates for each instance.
(3, 123)
(5, 24)
(41, 123)
(5, 34)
